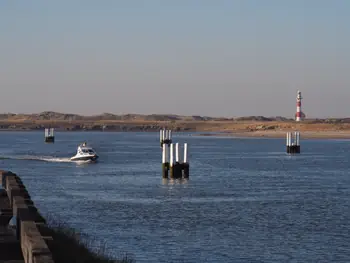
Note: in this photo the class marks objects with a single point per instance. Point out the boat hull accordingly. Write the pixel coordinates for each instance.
(84, 158)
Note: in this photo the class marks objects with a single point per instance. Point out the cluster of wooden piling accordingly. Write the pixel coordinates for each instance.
(293, 146)
(49, 135)
(177, 169)
(165, 137)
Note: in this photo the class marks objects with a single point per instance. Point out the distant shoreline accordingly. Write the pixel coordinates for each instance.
(282, 134)
(239, 134)
(311, 129)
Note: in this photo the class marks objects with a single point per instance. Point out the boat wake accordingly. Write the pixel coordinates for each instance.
(42, 158)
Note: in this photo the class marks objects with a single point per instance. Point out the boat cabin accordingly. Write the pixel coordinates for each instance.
(85, 150)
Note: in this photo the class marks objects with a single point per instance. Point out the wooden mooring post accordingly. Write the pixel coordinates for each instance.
(176, 170)
(293, 146)
(49, 135)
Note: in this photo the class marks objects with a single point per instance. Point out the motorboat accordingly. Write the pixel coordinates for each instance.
(85, 153)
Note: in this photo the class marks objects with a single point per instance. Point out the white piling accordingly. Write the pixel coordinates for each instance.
(171, 161)
(164, 153)
(298, 139)
(160, 135)
(169, 135)
(165, 164)
(177, 152)
(185, 165)
(287, 142)
(290, 139)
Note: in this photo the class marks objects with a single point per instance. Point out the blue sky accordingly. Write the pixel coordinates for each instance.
(217, 58)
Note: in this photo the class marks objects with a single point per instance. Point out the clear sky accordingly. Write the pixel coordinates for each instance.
(217, 58)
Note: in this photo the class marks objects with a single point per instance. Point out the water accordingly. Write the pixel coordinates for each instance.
(246, 200)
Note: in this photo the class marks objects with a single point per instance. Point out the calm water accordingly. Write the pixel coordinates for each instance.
(246, 200)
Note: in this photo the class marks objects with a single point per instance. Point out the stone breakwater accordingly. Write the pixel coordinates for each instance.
(28, 240)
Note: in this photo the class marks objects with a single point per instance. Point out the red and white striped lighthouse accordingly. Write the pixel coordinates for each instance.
(299, 115)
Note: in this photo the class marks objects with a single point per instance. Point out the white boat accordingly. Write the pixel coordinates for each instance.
(85, 153)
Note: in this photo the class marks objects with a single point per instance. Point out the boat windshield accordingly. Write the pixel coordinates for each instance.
(87, 151)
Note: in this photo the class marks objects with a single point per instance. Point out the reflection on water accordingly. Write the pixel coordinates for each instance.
(174, 181)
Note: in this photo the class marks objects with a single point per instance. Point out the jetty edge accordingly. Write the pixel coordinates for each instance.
(32, 239)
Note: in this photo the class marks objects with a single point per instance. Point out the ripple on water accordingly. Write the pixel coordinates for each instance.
(245, 201)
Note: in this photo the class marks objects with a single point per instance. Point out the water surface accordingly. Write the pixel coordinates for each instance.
(246, 200)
